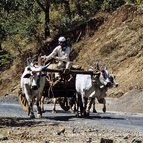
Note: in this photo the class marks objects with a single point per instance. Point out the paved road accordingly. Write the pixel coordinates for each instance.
(109, 119)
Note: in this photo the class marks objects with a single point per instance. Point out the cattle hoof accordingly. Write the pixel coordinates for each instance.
(53, 111)
(39, 116)
(72, 111)
(43, 111)
(104, 110)
(77, 115)
(32, 116)
(94, 111)
(86, 114)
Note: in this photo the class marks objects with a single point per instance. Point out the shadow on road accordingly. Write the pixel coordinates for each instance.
(104, 117)
(18, 122)
(57, 111)
(59, 116)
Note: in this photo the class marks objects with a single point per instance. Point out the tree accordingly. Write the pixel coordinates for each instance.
(67, 8)
(45, 7)
(78, 7)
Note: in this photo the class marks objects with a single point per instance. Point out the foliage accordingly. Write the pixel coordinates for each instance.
(138, 1)
(134, 1)
(4, 58)
(18, 17)
(110, 5)
(2, 33)
(25, 18)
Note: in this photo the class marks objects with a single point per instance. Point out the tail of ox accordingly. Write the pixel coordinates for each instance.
(22, 100)
(32, 84)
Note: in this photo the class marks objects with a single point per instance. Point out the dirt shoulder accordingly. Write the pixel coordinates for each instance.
(19, 130)
(131, 102)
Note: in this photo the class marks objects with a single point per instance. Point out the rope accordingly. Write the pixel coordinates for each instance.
(52, 84)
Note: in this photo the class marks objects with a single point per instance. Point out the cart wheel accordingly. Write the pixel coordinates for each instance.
(64, 104)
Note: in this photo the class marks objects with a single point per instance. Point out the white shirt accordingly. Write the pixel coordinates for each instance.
(62, 55)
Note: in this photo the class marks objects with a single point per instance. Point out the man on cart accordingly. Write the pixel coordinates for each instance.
(61, 54)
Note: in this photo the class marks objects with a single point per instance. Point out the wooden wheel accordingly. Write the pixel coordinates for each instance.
(64, 104)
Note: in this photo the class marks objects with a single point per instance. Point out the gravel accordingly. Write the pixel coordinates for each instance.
(9, 99)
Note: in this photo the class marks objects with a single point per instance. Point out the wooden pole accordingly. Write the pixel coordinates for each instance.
(72, 71)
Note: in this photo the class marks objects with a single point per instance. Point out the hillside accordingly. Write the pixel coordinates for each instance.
(118, 42)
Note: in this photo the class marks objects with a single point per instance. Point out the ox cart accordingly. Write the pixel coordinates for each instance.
(63, 88)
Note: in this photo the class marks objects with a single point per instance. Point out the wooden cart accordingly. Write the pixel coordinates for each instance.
(63, 88)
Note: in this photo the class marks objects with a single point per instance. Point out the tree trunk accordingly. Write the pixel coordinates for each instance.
(79, 9)
(0, 46)
(45, 7)
(47, 20)
(67, 8)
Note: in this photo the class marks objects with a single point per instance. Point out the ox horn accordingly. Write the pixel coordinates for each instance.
(97, 66)
(45, 66)
(29, 62)
(38, 69)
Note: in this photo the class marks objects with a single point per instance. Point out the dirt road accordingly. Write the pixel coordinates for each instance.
(63, 126)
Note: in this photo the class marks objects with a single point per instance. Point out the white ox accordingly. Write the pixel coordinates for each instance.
(32, 85)
(87, 88)
(101, 100)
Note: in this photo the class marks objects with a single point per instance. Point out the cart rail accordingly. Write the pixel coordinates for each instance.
(71, 71)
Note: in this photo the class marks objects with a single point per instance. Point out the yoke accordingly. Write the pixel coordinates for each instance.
(72, 72)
